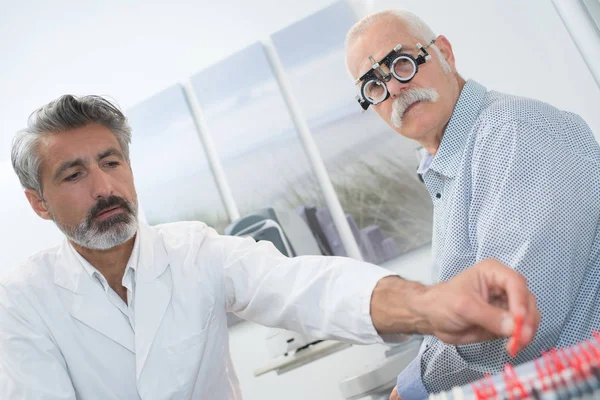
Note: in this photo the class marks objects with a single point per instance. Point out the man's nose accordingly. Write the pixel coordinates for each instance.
(102, 186)
(396, 88)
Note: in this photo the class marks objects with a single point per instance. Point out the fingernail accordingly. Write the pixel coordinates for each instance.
(508, 325)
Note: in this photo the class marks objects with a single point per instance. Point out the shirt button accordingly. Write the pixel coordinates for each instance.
(439, 195)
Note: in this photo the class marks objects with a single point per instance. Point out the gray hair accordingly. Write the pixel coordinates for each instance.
(415, 25)
(61, 115)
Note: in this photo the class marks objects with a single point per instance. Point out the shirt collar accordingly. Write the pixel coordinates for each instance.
(97, 276)
(425, 162)
(447, 158)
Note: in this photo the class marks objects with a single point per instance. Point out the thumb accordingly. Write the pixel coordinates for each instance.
(495, 320)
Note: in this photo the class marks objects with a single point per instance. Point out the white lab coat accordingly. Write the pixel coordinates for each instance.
(61, 338)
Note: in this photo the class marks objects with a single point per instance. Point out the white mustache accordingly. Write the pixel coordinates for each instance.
(407, 99)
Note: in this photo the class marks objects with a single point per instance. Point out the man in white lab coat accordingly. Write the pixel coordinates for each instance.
(122, 310)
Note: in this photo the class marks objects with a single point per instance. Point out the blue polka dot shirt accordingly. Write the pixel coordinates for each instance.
(517, 180)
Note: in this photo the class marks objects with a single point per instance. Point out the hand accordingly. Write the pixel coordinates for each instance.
(477, 305)
(481, 304)
(394, 394)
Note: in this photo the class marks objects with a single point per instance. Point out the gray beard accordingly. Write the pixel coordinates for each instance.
(95, 239)
(104, 235)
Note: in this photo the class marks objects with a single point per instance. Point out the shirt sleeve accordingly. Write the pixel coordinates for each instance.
(31, 365)
(533, 207)
(323, 297)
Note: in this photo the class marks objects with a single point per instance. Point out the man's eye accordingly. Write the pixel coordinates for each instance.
(72, 177)
(113, 164)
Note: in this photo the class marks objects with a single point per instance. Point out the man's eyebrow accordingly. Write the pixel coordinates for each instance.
(405, 49)
(409, 49)
(79, 162)
(110, 152)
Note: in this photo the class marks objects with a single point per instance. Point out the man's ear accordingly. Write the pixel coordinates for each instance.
(445, 47)
(38, 204)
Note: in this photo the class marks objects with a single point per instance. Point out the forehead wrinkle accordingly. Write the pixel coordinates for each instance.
(386, 33)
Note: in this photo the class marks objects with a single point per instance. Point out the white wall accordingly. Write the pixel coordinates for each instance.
(130, 50)
(126, 49)
(22, 232)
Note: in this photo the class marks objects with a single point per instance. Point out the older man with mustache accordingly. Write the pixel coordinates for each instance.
(510, 178)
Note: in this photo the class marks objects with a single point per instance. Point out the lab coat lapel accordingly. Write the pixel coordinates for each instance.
(152, 292)
(90, 305)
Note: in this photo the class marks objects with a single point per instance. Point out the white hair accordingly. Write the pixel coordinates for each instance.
(415, 25)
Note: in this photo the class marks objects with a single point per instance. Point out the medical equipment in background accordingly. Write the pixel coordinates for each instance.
(374, 246)
(376, 381)
(567, 373)
(292, 237)
(314, 233)
(285, 229)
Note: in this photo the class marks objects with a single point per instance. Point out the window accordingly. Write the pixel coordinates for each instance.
(254, 136)
(373, 168)
(173, 179)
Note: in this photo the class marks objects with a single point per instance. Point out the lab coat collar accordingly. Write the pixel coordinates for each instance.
(153, 261)
(89, 303)
(95, 274)
(151, 298)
